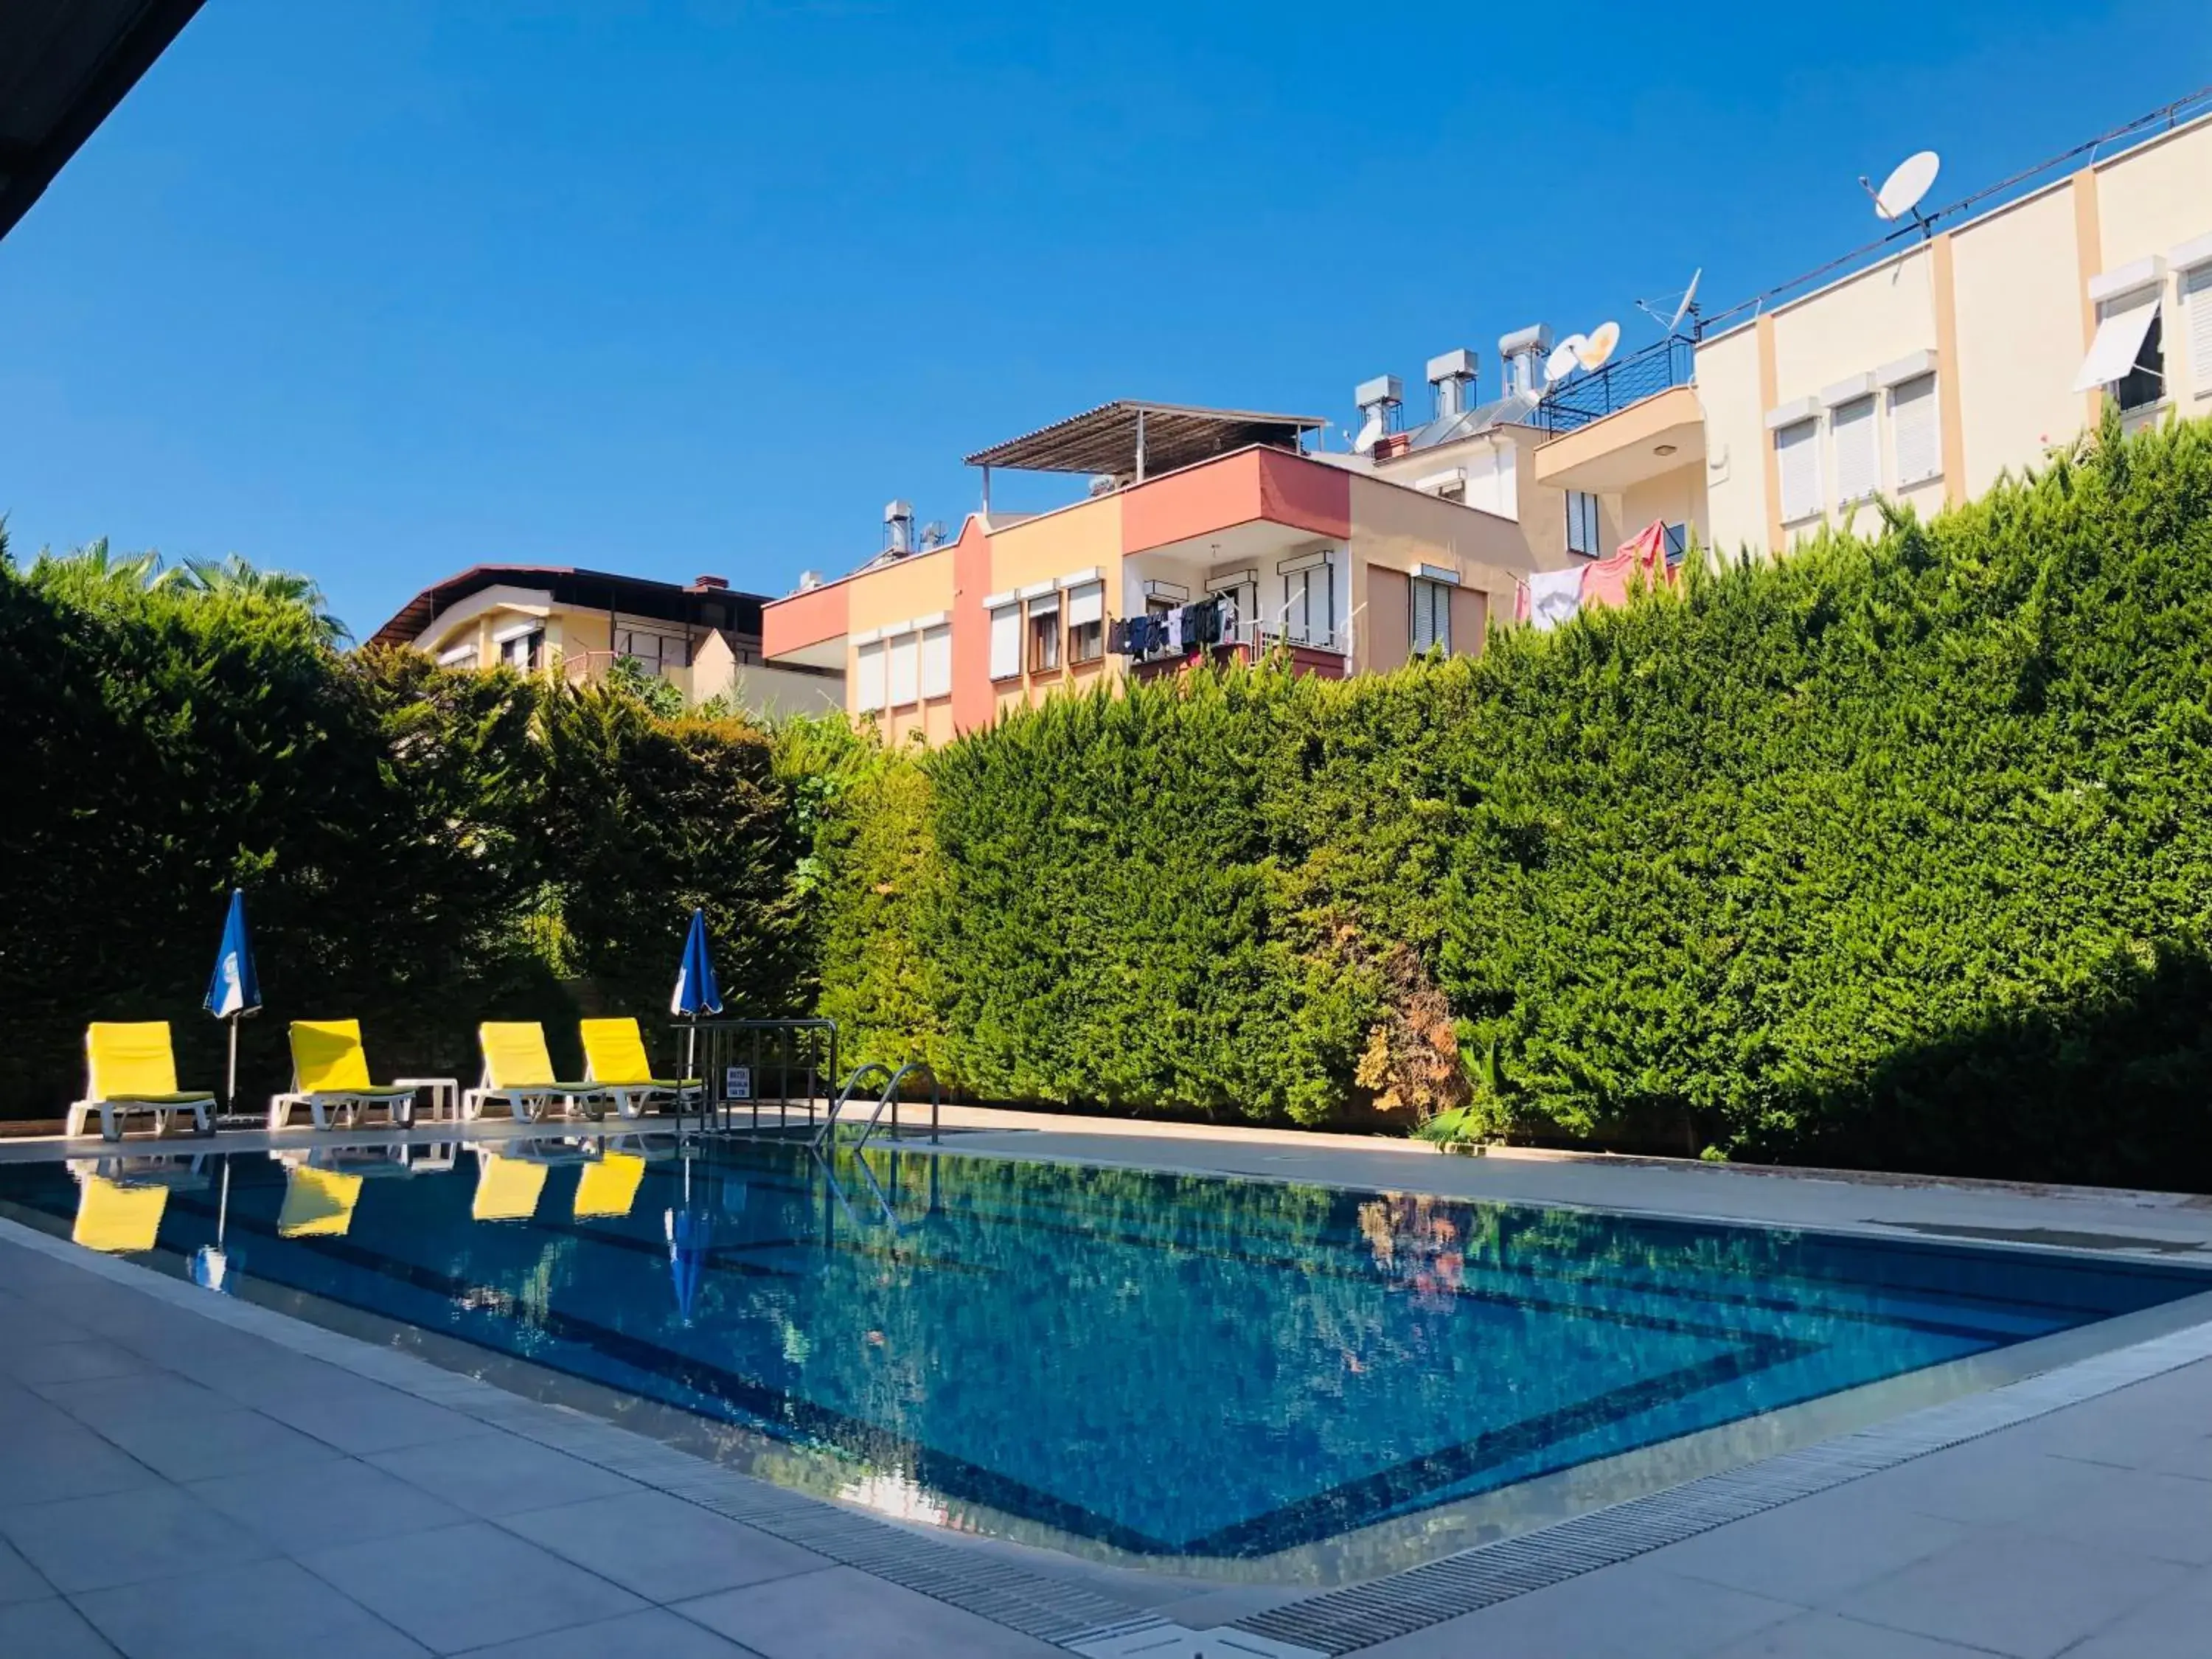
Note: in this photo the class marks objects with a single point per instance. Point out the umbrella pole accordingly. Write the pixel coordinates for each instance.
(230, 1087)
(692, 1065)
(223, 1209)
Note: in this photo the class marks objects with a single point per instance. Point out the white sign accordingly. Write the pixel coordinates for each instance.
(737, 1083)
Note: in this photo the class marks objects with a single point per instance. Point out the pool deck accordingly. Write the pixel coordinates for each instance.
(183, 1474)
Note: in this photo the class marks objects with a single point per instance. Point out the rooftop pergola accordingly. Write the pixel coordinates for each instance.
(64, 64)
(1135, 440)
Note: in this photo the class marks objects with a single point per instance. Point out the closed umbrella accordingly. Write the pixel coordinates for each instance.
(697, 992)
(234, 992)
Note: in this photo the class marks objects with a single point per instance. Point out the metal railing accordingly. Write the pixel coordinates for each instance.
(889, 1099)
(746, 1064)
(1576, 403)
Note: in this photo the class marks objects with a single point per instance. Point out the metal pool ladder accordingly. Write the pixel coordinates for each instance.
(827, 1135)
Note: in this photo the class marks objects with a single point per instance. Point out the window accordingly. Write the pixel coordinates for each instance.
(902, 669)
(1678, 542)
(458, 656)
(937, 661)
(1310, 605)
(525, 650)
(1582, 523)
(1086, 623)
(1858, 457)
(2127, 357)
(868, 677)
(655, 650)
(1044, 634)
(2197, 299)
(1916, 431)
(1797, 450)
(1431, 616)
(2144, 383)
(1006, 642)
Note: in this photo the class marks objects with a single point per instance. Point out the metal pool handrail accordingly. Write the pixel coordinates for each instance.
(889, 1097)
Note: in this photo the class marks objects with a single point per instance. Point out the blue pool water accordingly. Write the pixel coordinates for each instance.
(1169, 1365)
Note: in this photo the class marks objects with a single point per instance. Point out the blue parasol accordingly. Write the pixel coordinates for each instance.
(234, 990)
(697, 992)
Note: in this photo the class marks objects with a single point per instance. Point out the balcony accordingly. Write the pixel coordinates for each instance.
(1656, 435)
(1583, 399)
(1323, 654)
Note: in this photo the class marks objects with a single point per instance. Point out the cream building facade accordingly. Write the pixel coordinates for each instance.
(1924, 377)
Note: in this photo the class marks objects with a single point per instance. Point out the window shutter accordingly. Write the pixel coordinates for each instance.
(905, 656)
(937, 662)
(1006, 642)
(2196, 295)
(1799, 453)
(1915, 428)
(1086, 603)
(1858, 457)
(868, 677)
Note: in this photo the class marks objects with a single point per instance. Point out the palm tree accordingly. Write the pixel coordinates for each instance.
(98, 566)
(234, 575)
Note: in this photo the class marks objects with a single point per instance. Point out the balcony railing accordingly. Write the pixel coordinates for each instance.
(1314, 651)
(1586, 398)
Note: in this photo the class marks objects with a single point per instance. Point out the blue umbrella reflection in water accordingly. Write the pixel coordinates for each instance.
(211, 1267)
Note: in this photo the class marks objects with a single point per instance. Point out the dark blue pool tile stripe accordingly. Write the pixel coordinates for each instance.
(1346, 1620)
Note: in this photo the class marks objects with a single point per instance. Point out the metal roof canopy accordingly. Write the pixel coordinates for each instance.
(1136, 439)
(584, 590)
(64, 65)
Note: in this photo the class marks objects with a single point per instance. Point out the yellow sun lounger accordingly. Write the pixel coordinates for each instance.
(508, 1189)
(329, 1073)
(609, 1187)
(117, 1216)
(614, 1058)
(518, 1074)
(317, 1203)
(131, 1068)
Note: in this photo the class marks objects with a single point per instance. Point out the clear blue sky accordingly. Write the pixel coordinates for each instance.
(380, 291)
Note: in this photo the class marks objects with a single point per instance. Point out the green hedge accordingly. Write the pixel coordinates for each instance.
(420, 848)
(1892, 853)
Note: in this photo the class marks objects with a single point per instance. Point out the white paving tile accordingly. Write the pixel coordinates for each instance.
(844, 1615)
(263, 1610)
(123, 1538)
(653, 1634)
(317, 1505)
(51, 1628)
(661, 1547)
(468, 1586)
(494, 1473)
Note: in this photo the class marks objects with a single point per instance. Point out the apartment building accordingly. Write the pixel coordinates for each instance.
(1344, 570)
(555, 619)
(1976, 348)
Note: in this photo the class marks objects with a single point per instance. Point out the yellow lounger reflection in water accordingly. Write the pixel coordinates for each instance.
(609, 1185)
(317, 1203)
(113, 1217)
(506, 1188)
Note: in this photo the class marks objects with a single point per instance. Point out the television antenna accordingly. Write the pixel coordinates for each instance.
(1900, 194)
(1686, 307)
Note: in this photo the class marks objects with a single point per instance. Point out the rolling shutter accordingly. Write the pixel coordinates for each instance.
(2197, 296)
(1858, 457)
(905, 676)
(1915, 428)
(1797, 450)
(868, 677)
(1086, 604)
(937, 662)
(1006, 642)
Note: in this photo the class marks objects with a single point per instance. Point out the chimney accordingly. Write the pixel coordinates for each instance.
(898, 527)
(710, 584)
(1522, 352)
(1451, 382)
(1378, 400)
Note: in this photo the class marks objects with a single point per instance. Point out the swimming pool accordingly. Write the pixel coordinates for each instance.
(1180, 1367)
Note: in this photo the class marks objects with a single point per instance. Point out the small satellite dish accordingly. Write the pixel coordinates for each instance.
(1909, 180)
(1592, 353)
(1369, 435)
(1564, 356)
(1689, 299)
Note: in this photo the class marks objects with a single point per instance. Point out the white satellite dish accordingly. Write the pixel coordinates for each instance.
(1689, 299)
(1369, 435)
(1909, 180)
(1592, 353)
(1564, 356)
